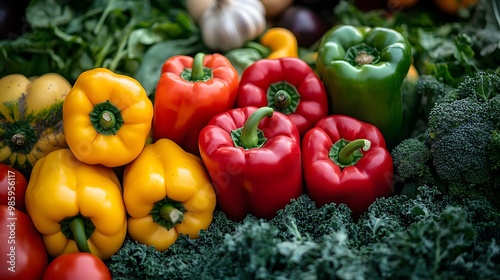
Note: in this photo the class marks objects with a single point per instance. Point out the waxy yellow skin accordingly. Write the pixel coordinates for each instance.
(127, 95)
(164, 169)
(281, 41)
(60, 187)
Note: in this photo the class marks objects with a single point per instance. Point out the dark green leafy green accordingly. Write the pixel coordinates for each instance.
(70, 37)
(430, 236)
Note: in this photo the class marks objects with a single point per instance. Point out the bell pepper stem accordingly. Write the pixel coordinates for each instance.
(249, 137)
(77, 227)
(197, 72)
(362, 54)
(107, 119)
(346, 154)
(261, 49)
(171, 214)
(282, 99)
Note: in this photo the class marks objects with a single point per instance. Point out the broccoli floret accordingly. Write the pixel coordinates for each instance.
(494, 110)
(458, 135)
(463, 135)
(495, 150)
(447, 116)
(432, 92)
(461, 156)
(494, 113)
(411, 162)
(482, 86)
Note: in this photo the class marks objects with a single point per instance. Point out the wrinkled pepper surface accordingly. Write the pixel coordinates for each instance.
(107, 118)
(189, 92)
(346, 161)
(289, 86)
(167, 192)
(253, 158)
(363, 69)
(281, 41)
(77, 207)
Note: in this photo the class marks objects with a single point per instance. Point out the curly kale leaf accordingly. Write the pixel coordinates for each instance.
(482, 86)
(427, 247)
(310, 219)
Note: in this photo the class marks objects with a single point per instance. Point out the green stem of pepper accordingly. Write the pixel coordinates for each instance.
(77, 227)
(346, 154)
(249, 134)
(171, 214)
(106, 118)
(362, 54)
(197, 72)
(282, 99)
(167, 213)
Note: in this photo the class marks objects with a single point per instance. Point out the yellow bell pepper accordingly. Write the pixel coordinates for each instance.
(76, 206)
(107, 118)
(281, 41)
(167, 191)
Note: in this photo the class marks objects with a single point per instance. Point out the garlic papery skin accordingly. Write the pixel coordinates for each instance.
(229, 24)
(196, 8)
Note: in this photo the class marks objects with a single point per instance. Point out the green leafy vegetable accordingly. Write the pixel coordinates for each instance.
(69, 38)
(429, 236)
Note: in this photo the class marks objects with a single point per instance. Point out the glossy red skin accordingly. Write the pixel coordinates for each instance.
(357, 186)
(12, 192)
(257, 78)
(257, 181)
(77, 266)
(30, 259)
(182, 108)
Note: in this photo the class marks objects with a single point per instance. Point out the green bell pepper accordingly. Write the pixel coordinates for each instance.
(363, 69)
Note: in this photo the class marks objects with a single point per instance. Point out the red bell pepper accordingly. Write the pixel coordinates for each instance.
(288, 85)
(77, 266)
(346, 161)
(12, 187)
(254, 160)
(189, 92)
(22, 251)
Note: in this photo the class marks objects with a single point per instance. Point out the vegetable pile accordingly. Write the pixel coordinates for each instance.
(154, 140)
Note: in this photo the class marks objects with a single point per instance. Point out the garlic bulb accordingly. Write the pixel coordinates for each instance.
(229, 24)
(196, 8)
